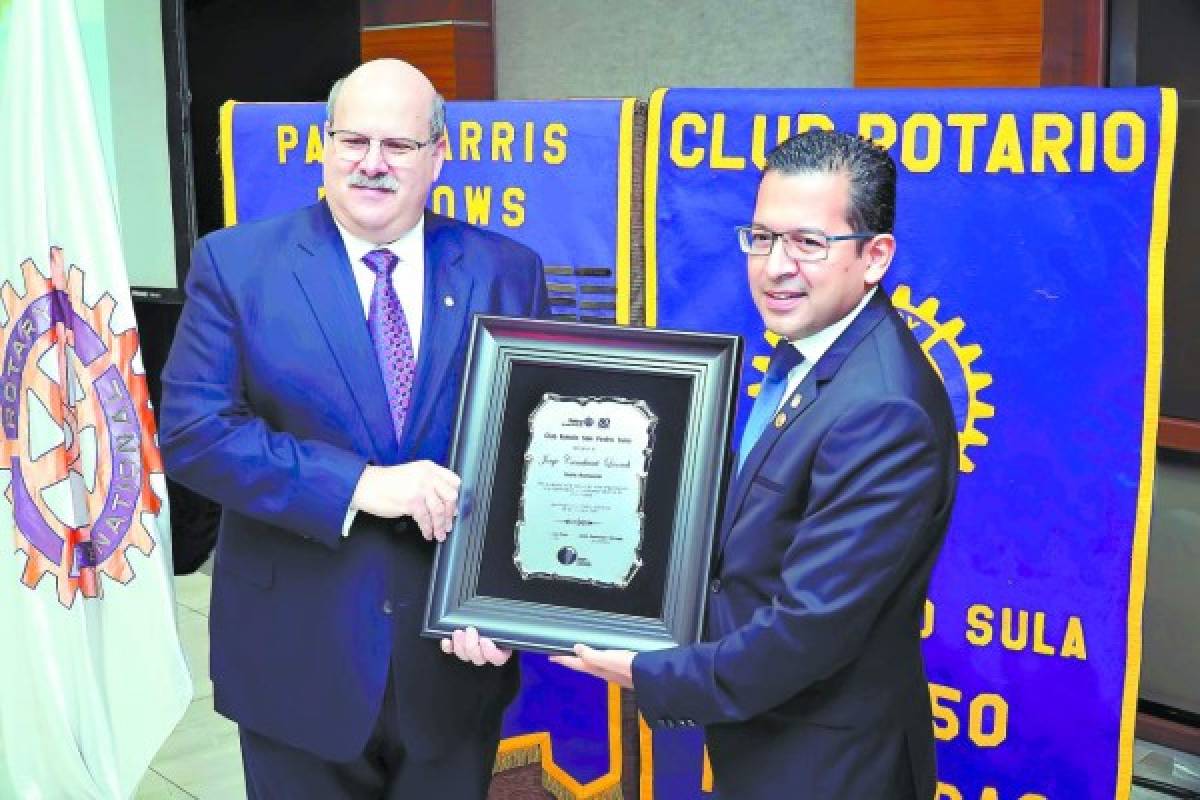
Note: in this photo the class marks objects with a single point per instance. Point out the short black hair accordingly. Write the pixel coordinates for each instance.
(871, 171)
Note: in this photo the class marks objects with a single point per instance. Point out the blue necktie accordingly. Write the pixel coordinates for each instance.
(770, 393)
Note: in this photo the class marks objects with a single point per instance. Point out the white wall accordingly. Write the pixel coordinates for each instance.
(122, 47)
(137, 138)
(1170, 641)
(606, 48)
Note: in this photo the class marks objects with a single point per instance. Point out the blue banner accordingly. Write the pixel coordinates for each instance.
(1031, 227)
(553, 175)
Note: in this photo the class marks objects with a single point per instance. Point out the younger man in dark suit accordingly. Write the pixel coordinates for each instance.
(810, 682)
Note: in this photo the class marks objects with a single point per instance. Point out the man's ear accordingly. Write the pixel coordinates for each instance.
(878, 252)
(439, 156)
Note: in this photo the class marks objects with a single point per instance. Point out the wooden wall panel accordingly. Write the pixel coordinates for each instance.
(948, 43)
(390, 12)
(459, 59)
(475, 59)
(429, 49)
(1179, 434)
(1074, 43)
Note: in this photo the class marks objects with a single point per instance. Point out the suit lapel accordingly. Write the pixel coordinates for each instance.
(324, 274)
(445, 320)
(794, 405)
(797, 403)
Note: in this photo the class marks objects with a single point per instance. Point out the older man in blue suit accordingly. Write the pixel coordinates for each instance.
(311, 391)
(810, 682)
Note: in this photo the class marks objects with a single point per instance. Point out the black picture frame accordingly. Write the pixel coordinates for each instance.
(689, 379)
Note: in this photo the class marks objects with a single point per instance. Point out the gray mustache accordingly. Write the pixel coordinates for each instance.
(384, 181)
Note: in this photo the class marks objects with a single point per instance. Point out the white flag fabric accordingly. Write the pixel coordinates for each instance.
(92, 675)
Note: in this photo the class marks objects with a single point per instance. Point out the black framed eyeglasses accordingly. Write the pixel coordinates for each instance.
(353, 146)
(801, 244)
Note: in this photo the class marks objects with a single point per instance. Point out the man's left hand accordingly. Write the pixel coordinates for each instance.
(615, 666)
(469, 646)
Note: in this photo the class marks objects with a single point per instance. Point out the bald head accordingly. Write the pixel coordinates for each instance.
(376, 195)
(396, 73)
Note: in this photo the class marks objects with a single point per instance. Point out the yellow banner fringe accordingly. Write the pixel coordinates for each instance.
(524, 756)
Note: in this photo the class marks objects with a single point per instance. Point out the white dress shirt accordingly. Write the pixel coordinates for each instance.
(408, 279)
(814, 346)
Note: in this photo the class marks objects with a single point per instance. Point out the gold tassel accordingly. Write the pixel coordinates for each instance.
(517, 758)
(523, 757)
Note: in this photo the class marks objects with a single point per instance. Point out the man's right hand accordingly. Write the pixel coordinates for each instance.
(422, 490)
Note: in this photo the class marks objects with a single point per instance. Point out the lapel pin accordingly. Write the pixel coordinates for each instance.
(448, 301)
(780, 420)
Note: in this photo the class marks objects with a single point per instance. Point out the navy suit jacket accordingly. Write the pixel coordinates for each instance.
(273, 404)
(810, 680)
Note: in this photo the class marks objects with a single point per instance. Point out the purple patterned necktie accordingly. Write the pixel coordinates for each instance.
(389, 332)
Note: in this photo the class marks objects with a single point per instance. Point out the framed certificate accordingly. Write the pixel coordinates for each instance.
(592, 465)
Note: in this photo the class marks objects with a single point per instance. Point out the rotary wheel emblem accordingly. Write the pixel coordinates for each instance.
(78, 434)
(953, 361)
